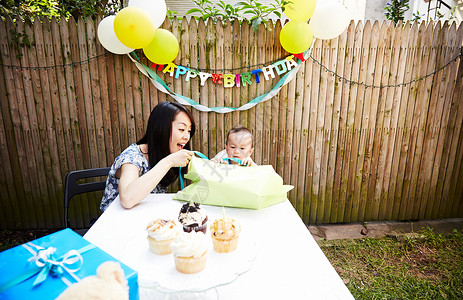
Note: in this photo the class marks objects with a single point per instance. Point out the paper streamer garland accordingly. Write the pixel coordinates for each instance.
(162, 86)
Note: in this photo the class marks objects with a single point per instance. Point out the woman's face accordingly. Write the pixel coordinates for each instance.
(181, 130)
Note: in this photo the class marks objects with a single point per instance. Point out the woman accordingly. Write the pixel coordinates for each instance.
(151, 164)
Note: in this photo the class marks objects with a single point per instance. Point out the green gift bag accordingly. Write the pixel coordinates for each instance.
(233, 185)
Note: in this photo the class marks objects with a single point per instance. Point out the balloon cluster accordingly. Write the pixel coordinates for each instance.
(328, 19)
(136, 27)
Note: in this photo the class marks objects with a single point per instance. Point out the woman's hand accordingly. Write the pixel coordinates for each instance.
(180, 158)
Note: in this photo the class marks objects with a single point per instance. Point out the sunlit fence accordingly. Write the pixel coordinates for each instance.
(369, 128)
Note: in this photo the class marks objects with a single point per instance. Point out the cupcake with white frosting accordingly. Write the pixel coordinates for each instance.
(190, 251)
(160, 234)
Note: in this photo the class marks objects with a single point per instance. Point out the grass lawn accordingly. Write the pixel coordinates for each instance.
(419, 266)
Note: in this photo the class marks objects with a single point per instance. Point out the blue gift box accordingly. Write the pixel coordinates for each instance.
(18, 273)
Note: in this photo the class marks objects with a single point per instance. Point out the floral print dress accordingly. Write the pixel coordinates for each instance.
(131, 155)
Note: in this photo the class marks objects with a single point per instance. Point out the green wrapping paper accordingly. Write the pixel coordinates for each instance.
(233, 185)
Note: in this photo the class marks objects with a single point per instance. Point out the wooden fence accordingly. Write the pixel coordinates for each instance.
(354, 152)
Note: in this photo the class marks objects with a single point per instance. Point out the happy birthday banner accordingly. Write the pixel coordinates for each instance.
(288, 65)
(231, 80)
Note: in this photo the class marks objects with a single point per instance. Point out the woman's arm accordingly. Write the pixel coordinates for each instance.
(133, 188)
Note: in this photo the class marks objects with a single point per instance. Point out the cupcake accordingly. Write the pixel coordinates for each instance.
(225, 234)
(190, 252)
(160, 234)
(193, 217)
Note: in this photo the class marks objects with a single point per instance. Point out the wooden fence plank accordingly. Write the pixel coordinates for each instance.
(432, 131)
(68, 150)
(21, 127)
(442, 153)
(339, 203)
(39, 91)
(31, 135)
(408, 188)
(244, 89)
(268, 121)
(383, 62)
(54, 121)
(227, 91)
(251, 113)
(193, 85)
(457, 143)
(10, 157)
(360, 130)
(282, 101)
(259, 109)
(236, 65)
(339, 56)
(326, 92)
(350, 150)
(369, 119)
(96, 95)
(296, 175)
(186, 51)
(276, 121)
(203, 90)
(394, 76)
(427, 125)
(74, 133)
(423, 98)
(219, 93)
(313, 161)
(404, 125)
(211, 66)
(302, 200)
(454, 125)
(106, 102)
(145, 96)
(289, 158)
(399, 108)
(96, 104)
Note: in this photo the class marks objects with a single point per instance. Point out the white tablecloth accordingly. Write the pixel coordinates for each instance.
(288, 263)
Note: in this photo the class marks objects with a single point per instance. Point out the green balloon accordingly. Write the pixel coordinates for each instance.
(163, 49)
(296, 36)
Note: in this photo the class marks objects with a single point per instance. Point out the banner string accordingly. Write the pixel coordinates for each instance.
(73, 64)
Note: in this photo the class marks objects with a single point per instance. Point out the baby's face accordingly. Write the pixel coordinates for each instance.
(239, 145)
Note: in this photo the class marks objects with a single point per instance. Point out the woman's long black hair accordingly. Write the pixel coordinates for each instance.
(158, 132)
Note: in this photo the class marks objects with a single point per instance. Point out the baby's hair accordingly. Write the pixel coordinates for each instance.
(238, 129)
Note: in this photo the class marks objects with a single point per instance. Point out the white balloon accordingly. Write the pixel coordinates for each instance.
(108, 38)
(329, 19)
(156, 10)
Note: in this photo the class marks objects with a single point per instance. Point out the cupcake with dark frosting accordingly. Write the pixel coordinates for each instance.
(193, 217)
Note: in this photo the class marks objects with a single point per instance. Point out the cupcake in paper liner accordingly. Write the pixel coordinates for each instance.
(193, 217)
(160, 234)
(190, 252)
(225, 234)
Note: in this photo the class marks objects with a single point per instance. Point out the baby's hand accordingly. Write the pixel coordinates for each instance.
(248, 162)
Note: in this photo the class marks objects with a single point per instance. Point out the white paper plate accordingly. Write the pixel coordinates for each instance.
(158, 271)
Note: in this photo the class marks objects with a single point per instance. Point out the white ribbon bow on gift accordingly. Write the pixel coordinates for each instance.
(47, 261)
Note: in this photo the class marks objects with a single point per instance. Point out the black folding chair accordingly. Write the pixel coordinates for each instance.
(73, 187)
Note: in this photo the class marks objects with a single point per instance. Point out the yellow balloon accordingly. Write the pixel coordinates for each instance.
(133, 27)
(296, 36)
(300, 10)
(163, 49)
